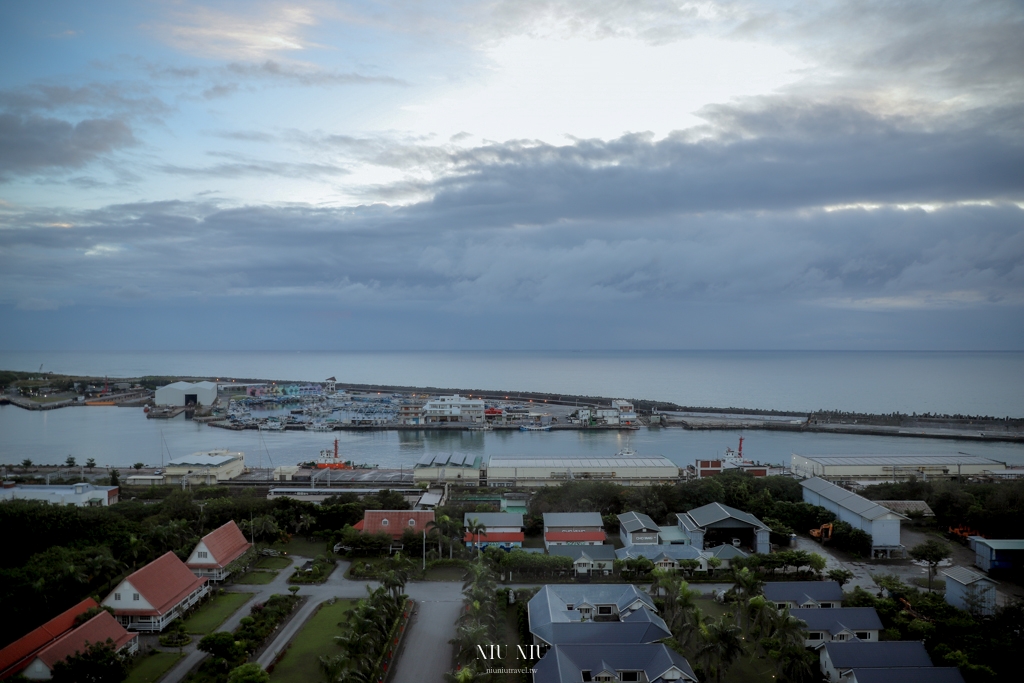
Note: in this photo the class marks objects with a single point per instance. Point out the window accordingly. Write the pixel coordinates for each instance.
(864, 635)
(826, 604)
(781, 605)
(604, 609)
(586, 675)
(412, 522)
(841, 637)
(629, 676)
(814, 635)
(383, 522)
(117, 596)
(135, 596)
(202, 554)
(569, 606)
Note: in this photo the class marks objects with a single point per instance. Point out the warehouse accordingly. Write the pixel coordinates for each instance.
(459, 469)
(886, 467)
(628, 470)
(187, 393)
(882, 524)
(207, 467)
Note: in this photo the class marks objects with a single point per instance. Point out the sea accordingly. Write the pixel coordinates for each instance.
(967, 383)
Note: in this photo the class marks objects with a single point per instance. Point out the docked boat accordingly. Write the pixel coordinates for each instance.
(330, 460)
(535, 428)
(319, 427)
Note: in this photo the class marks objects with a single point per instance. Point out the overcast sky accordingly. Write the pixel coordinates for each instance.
(608, 174)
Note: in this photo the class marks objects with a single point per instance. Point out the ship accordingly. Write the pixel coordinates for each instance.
(330, 460)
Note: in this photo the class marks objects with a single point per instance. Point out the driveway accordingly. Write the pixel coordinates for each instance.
(426, 654)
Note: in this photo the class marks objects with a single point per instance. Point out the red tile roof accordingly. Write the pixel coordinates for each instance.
(574, 536)
(164, 583)
(96, 630)
(358, 526)
(397, 521)
(495, 537)
(19, 654)
(225, 545)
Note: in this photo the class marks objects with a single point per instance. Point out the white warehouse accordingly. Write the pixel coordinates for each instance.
(185, 393)
(881, 523)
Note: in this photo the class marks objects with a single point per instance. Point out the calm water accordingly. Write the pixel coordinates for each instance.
(978, 383)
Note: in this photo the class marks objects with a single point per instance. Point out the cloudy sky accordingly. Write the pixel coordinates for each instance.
(530, 174)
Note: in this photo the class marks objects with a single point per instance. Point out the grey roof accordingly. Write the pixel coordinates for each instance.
(203, 460)
(672, 533)
(594, 552)
(716, 512)
(726, 552)
(566, 663)
(637, 521)
(554, 624)
(1002, 543)
(802, 592)
(918, 459)
(868, 509)
(905, 507)
(493, 520)
(580, 462)
(965, 576)
(573, 519)
(886, 654)
(923, 674)
(449, 460)
(655, 553)
(838, 619)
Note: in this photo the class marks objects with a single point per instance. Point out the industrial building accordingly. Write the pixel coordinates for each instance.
(715, 524)
(889, 467)
(628, 470)
(453, 409)
(205, 467)
(998, 555)
(187, 393)
(460, 469)
(882, 524)
(81, 494)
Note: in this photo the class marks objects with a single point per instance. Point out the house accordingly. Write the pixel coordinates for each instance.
(836, 659)
(839, 625)
(970, 591)
(905, 674)
(586, 662)
(881, 523)
(394, 522)
(19, 654)
(586, 559)
(665, 556)
(594, 613)
(80, 494)
(999, 555)
(504, 529)
(804, 594)
(453, 409)
(716, 524)
(573, 528)
(154, 596)
(216, 550)
(96, 630)
(726, 554)
(637, 528)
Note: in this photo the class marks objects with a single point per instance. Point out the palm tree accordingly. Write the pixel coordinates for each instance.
(746, 583)
(722, 644)
(475, 528)
(465, 674)
(435, 526)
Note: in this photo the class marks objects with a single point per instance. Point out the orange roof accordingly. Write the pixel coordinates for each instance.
(575, 536)
(164, 583)
(18, 654)
(96, 630)
(395, 522)
(495, 536)
(225, 544)
(358, 526)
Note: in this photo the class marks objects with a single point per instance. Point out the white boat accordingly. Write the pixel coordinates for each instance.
(535, 428)
(319, 427)
(272, 426)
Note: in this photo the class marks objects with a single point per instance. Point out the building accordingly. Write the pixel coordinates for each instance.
(594, 613)
(154, 596)
(837, 659)
(453, 409)
(839, 625)
(637, 528)
(998, 555)
(970, 591)
(411, 412)
(503, 529)
(905, 674)
(627, 414)
(587, 559)
(797, 595)
(628, 470)
(665, 556)
(80, 494)
(888, 467)
(19, 654)
(716, 524)
(187, 393)
(573, 528)
(726, 554)
(216, 551)
(205, 467)
(881, 523)
(99, 629)
(394, 522)
(908, 508)
(460, 469)
(585, 662)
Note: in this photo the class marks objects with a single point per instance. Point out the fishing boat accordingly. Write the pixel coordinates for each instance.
(535, 428)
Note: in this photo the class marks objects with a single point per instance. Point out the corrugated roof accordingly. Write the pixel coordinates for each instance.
(802, 592)
(654, 553)
(922, 674)
(494, 519)
(838, 619)
(636, 521)
(164, 583)
(868, 509)
(905, 507)
(202, 460)
(581, 462)
(96, 630)
(716, 512)
(965, 576)
(18, 654)
(1002, 543)
(573, 519)
(566, 663)
(594, 552)
(552, 622)
(886, 654)
(884, 459)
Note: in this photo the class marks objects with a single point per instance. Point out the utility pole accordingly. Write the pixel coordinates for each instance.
(424, 549)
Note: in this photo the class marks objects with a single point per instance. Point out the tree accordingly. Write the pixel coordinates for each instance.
(840, 576)
(90, 463)
(100, 663)
(70, 462)
(138, 466)
(222, 645)
(115, 478)
(721, 644)
(27, 462)
(248, 673)
(713, 564)
(932, 552)
(475, 529)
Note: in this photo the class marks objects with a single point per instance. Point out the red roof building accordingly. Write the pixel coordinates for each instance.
(19, 654)
(569, 537)
(500, 537)
(97, 630)
(156, 595)
(216, 550)
(394, 522)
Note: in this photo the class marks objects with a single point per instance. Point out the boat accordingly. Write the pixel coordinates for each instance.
(272, 425)
(481, 428)
(535, 428)
(319, 427)
(330, 460)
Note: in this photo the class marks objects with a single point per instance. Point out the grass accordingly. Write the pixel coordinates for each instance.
(300, 663)
(274, 563)
(257, 578)
(374, 563)
(152, 667)
(207, 618)
(298, 545)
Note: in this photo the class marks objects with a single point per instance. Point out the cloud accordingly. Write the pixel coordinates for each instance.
(32, 144)
(38, 304)
(259, 31)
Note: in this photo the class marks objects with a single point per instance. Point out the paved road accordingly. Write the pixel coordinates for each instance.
(426, 654)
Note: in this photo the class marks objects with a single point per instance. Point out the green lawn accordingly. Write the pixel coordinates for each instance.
(257, 578)
(300, 546)
(207, 618)
(274, 563)
(149, 668)
(301, 663)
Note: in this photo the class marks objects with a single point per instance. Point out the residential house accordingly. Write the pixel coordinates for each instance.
(394, 522)
(971, 591)
(836, 659)
(99, 629)
(726, 554)
(804, 594)
(839, 625)
(587, 559)
(904, 674)
(19, 654)
(881, 523)
(716, 524)
(573, 528)
(504, 529)
(216, 550)
(637, 528)
(154, 596)
(656, 663)
(594, 613)
(665, 556)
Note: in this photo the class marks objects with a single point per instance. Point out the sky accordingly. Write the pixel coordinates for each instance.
(529, 174)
